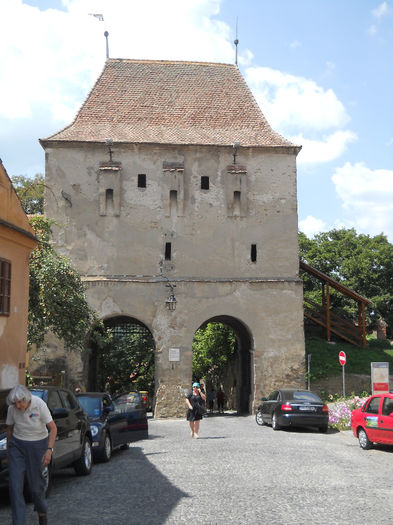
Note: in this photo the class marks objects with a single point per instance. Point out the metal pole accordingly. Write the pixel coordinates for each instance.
(308, 371)
(344, 381)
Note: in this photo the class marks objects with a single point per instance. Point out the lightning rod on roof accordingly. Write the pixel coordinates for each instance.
(100, 18)
(106, 34)
(236, 42)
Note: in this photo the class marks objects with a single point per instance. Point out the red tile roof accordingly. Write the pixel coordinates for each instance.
(170, 102)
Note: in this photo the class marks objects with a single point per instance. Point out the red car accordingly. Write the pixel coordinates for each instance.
(373, 423)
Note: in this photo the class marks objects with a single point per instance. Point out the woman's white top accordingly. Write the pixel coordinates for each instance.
(30, 425)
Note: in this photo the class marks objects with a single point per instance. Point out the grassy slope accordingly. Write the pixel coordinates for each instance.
(324, 360)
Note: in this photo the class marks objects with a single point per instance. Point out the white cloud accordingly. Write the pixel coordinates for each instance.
(52, 58)
(291, 102)
(325, 149)
(381, 11)
(304, 112)
(372, 30)
(367, 197)
(310, 226)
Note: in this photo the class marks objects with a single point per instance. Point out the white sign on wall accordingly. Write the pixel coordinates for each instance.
(174, 354)
(379, 377)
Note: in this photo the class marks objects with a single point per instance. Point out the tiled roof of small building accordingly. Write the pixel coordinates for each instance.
(171, 102)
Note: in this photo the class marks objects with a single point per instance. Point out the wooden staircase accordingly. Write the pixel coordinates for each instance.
(322, 315)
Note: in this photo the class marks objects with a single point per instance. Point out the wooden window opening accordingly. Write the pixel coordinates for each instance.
(5, 287)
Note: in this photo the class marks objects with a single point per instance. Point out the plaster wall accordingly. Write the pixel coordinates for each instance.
(16, 243)
(122, 255)
(205, 241)
(15, 248)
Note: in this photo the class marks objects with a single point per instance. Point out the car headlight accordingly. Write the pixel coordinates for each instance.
(3, 444)
(94, 430)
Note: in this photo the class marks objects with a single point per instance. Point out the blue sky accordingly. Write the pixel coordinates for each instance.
(320, 70)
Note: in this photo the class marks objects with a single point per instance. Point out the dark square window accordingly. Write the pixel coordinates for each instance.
(141, 180)
(5, 287)
(253, 253)
(204, 183)
(168, 251)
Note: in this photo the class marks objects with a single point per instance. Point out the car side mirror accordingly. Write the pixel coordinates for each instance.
(263, 398)
(59, 413)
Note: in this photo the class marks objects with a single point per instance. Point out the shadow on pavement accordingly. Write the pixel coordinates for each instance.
(129, 490)
(143, 495)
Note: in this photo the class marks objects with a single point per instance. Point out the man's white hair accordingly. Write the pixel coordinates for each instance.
(18, 393)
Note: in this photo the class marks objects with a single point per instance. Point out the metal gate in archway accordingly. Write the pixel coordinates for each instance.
(122, 357)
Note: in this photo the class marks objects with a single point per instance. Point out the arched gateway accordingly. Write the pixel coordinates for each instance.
(178, 204)
(239, 377)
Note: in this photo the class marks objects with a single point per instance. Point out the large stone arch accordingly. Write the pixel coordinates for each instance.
(124, 323)
(244, 394)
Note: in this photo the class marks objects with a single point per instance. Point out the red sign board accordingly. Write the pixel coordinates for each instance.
(342, 358)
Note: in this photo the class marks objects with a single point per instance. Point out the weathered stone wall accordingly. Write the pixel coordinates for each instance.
(117, 233)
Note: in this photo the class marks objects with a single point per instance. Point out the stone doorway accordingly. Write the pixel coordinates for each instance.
(237, 379)
(125, 362)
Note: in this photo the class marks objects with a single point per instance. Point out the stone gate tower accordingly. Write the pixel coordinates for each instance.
(170, 174)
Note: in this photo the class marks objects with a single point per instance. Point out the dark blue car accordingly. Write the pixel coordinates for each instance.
(113, 422)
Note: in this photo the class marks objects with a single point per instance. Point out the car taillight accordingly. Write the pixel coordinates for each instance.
(286, 408)
(325, 408)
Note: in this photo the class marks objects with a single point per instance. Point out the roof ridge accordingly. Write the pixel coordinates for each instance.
(168, 61)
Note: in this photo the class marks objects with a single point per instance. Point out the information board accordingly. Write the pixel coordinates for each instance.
(379, 378)
(174, 354)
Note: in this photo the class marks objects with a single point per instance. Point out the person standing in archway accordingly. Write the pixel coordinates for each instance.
(195, 401)
(220, 400)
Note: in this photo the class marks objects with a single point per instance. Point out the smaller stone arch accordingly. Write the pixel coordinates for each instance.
(244, 379)
(122, 327)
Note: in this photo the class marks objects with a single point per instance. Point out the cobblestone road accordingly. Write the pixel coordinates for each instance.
(236, 472)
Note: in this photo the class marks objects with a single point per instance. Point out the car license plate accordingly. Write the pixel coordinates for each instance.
(307, 409)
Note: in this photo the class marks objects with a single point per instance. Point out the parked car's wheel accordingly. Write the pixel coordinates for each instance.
(259, 418)
(83, 465)
(364, 442)
(275, 425)
(105, 453)
(323, 428)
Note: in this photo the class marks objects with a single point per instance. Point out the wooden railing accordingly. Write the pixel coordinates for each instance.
(341, 327)
(354, 333)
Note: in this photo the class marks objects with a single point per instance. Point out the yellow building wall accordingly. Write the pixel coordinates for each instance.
(17, 240)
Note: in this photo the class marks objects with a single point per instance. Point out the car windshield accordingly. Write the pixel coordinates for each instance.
(126, 401)
(91, 405)
(303, 396)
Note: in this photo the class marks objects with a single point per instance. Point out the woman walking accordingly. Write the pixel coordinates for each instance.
(195, 403)
(29, 450)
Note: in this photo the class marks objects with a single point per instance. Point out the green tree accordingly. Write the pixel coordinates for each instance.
(213, 347)
(360, 262)
(30, 192)
(57, 300)
(127, 359)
